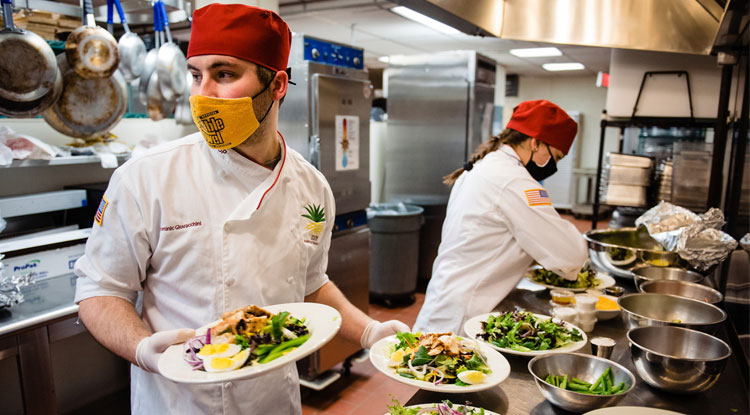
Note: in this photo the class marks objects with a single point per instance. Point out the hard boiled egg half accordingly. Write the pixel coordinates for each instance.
(471, 377)
(226, 364)
(218, 350)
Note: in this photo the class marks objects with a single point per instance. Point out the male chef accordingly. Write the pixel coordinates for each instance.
(217, 220)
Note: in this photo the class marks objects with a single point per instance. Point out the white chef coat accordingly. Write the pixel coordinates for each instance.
(202, 232)
(497, 223)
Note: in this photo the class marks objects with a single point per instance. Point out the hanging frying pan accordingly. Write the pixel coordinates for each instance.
(132, 49)
(91, 50)
(28, 70)
(158, 106)
(170, 63)
(149, 64)
(28, 109)
(87, 108)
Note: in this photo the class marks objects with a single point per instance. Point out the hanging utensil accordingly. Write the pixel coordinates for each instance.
(90, 49)
(132, 49)
(27, 63)
(182, 113)
(149, 64)
(171, 63)
(87, 108)
(28, 109)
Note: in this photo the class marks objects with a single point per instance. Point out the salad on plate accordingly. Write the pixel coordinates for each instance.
(247, 336)
(523, 331)
(438, 358)
(443, 408)
(586, 278)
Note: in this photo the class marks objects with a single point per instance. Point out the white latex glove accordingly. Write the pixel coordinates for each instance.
(376, 330)
(150, 348)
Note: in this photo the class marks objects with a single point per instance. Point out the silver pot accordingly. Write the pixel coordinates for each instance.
(676, 359)
(640, 310)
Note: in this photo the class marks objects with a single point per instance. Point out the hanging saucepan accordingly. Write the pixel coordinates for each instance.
(91, 50)
(28, 109)
(28, 68)
(158, 106)
(132, 49)
(182, 114)
(87, 108)
(171, 63)
(149, 64)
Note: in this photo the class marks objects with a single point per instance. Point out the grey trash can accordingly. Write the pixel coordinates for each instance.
(394, 254)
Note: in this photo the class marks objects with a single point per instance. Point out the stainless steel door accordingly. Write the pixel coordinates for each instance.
(335, 98)
(427, 136)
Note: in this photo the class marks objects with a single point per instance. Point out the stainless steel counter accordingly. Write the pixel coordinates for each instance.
(45, 302)
(519, 394)
(40, 341)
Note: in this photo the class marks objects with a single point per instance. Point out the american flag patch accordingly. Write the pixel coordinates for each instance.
(99, 217)
(537, 197)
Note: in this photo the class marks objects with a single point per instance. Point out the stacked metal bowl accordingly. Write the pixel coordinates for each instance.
(676, 359)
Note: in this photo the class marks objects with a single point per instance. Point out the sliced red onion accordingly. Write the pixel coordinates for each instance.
(428, 410)
(439, 372)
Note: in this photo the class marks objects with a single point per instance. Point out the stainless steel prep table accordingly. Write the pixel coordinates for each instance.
(39, 333)
(519, 394)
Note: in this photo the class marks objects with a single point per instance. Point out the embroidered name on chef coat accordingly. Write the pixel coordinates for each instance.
(537, 197)
(99, 216)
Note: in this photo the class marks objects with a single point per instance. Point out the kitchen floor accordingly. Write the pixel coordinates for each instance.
(364, 391)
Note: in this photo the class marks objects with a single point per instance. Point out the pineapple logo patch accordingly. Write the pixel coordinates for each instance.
(316, 217)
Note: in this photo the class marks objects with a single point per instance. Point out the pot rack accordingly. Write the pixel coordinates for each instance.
(137, 12)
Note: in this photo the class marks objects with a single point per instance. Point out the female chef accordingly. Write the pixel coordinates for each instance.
(500, 219)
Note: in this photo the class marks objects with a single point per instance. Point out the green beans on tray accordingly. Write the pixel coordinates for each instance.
(604, 385)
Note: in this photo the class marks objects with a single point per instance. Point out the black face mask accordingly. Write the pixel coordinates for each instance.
(540, 173)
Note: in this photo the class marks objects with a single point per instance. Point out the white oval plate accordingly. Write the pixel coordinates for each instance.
(473, 326)
(629, 410)
(380, 356)
(322, 321)
(427, 405)
(605, 280)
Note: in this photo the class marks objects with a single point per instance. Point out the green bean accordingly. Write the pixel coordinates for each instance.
(580, 382)
(564, 382)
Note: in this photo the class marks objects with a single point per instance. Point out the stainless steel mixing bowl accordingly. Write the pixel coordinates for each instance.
(643, 274)
(682, 289)
(617, 251)
(676, 359)
(584, 367)
(639, 310)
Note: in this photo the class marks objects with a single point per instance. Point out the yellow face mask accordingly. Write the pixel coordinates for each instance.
(225, 123)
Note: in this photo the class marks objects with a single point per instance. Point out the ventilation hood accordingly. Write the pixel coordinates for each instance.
(683, 26)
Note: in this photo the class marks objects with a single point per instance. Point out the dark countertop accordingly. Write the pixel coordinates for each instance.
(519, 394)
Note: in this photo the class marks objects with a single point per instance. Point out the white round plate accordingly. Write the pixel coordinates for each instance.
(427, 405)
(322, 321)
(605, 280)
(629, 410)
(473, 326)
(380, 357)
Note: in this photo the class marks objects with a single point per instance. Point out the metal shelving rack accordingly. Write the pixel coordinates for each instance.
(638, 122)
